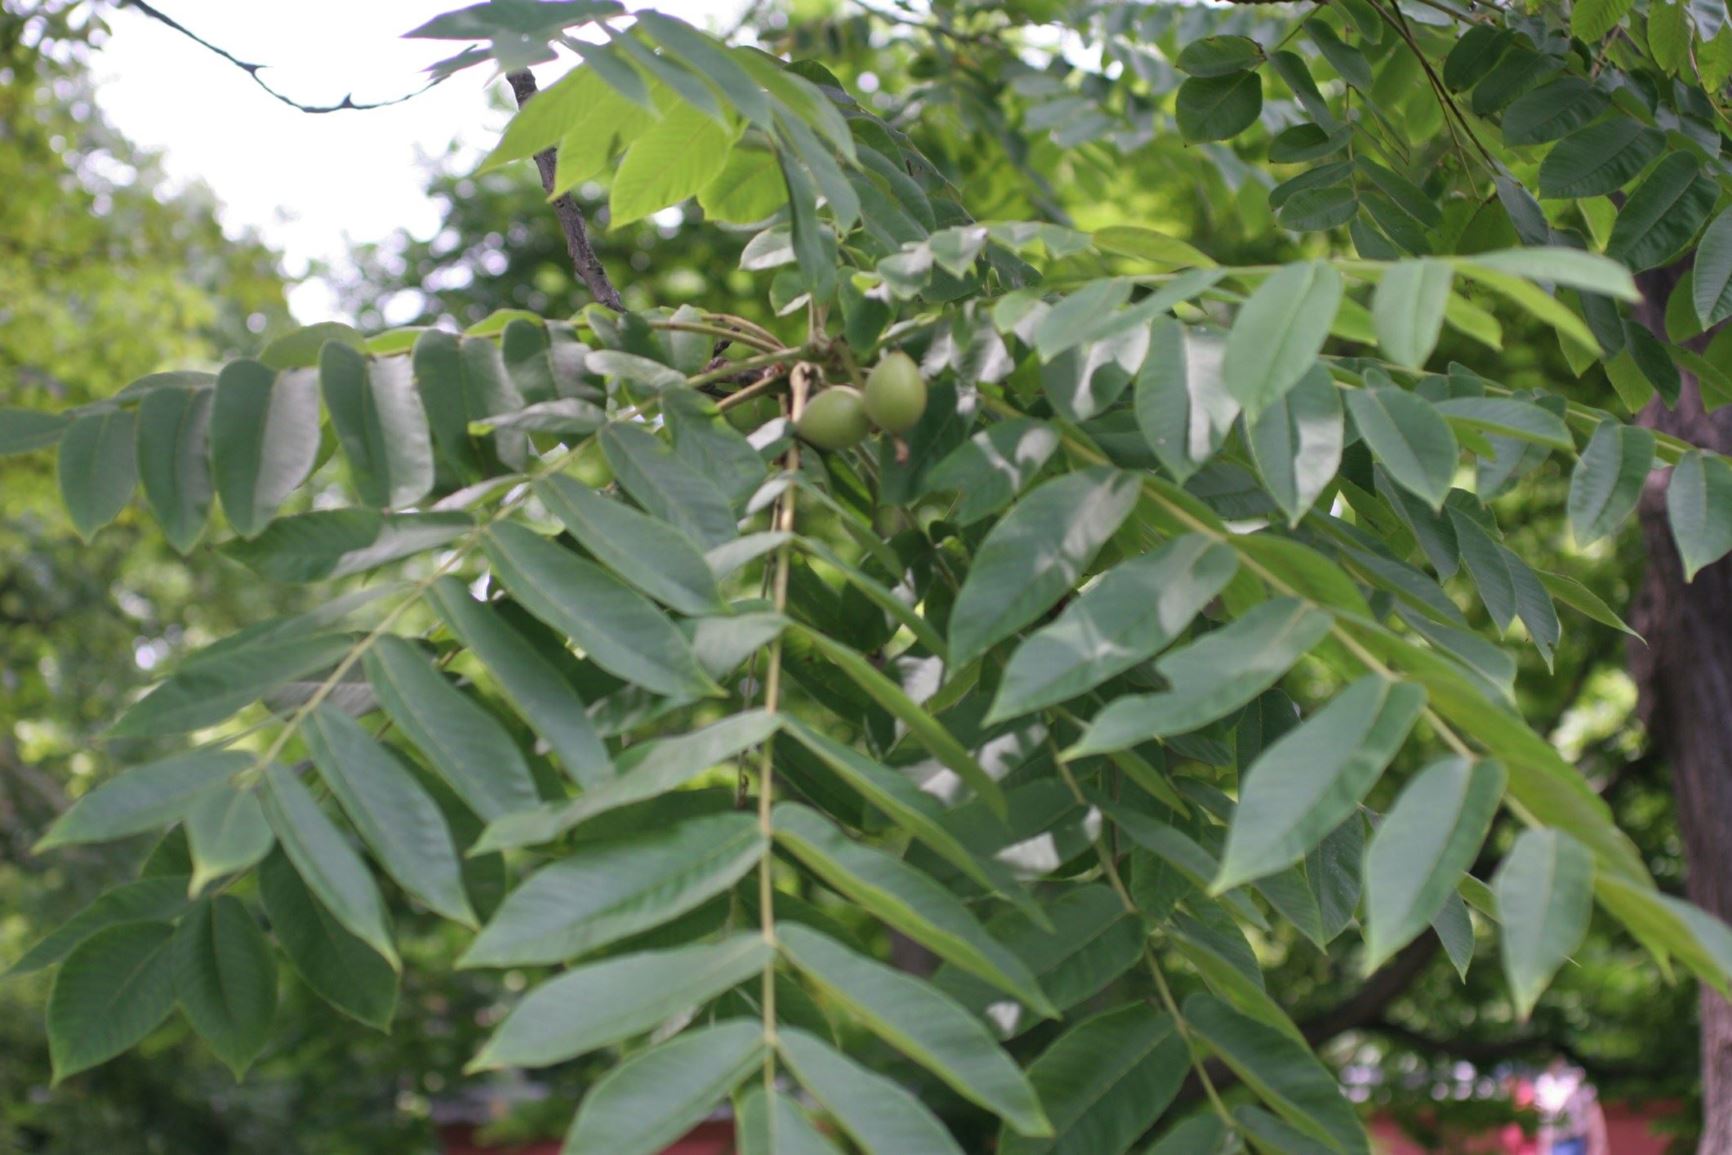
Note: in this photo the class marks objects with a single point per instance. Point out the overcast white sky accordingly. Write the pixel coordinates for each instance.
(310, 184)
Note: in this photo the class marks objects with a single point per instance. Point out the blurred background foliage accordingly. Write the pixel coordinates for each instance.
(105, 275)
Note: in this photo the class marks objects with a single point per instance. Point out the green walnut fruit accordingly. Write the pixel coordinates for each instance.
(895, 393)
(835, 419)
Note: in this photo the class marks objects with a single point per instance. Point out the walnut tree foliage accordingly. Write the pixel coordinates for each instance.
(1154, 636)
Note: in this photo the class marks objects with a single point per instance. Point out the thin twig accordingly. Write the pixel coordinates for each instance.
(347, 104)
(583, 258)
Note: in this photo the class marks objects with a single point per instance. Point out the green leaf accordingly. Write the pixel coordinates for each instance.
(1312, 779)
(878, 1114)
(1711, 287)
(1699, 508)
(1552, 111)
(1599, 159)
(1545, 898)
(904, 803)
(146, 900)
(992, 467)
(568, 416)
(1131, 613)
(143, 798)
(1105, 1081)
(814, 244)
(25, 430)
(1181, 400)
(98, 467)
(325, 861)
(399, 820)
(922, 1023)
(1218, 107)
(333, 543)
(1211, 677)
(1083, 941)
(1573, 593)
(1150, 245)
(226, 832)
(461, 380)
(532, 683)
(667, 486)
(772, 1124)
(1349, 62)
(748, 189)
(300, 348)
(1670, 35)
(1607, 481)
(907, 899)
(594, 1006)
(614, 625)
(225, 978)
(878, 594)
(650, 554)
(464, 743)
(1408, 309)
(1036, 554)
(1670, 925)
(653, 1098)
(1283, 1072)
(115, 988)
(671, 160)
(1507, 417)
(1219, 56)
(1409, 437)
(646, 771)
(927, 729)
(174, 428)
(1423, 847)
(1475, 54)
(1453, 927)
(612, 888)
(1225, 962)
(210, 687)
(340, 968)
(1573, 333)
(1593, 20)
(1297, 441)
(1278, 333)
(1201, 1134)
(380, 424)
(1662, 215)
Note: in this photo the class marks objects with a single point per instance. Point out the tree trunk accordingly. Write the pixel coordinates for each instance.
(1684, 675)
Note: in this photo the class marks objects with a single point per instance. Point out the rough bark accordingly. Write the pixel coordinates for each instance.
(1684, 675)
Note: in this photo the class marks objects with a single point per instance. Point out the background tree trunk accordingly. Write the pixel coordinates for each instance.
(1684, 675)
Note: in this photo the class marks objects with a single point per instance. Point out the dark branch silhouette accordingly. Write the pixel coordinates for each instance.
(347, 104)
(571, 222)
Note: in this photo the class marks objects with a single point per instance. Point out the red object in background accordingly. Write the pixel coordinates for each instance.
(1630, 1130)
(715, 1137)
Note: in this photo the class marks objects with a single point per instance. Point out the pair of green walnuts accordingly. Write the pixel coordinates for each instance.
(841, 416)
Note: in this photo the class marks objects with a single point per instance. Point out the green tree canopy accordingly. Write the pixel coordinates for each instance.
(1146, 702)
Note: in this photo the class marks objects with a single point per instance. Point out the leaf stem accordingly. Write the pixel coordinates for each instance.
(723, 331)
(783, 522)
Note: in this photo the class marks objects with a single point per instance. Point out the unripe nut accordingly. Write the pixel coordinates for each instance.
(895, 393)
(835, 419)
